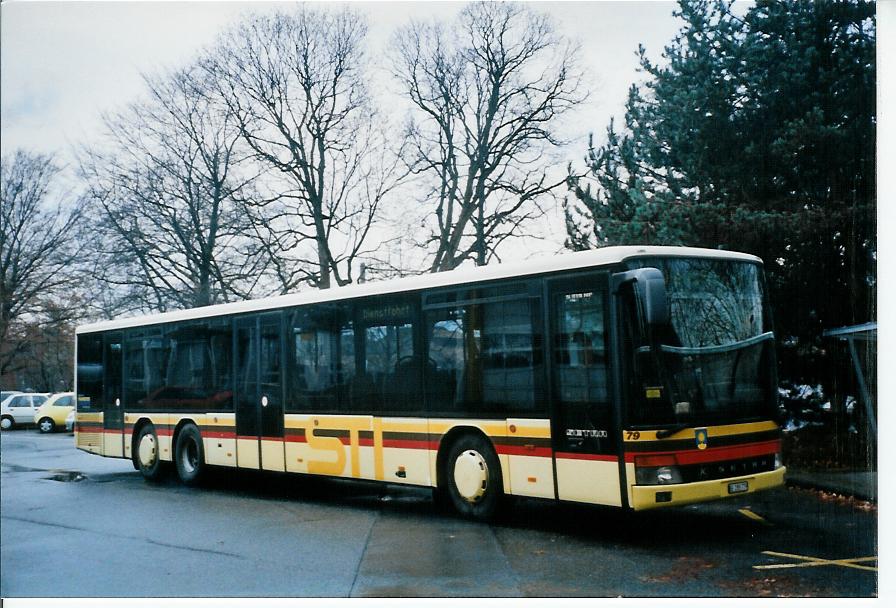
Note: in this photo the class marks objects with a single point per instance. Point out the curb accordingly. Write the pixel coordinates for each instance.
(861, 491)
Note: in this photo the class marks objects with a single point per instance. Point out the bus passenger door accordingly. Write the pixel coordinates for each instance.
(113, 408)
(583, 424)
(259, 392)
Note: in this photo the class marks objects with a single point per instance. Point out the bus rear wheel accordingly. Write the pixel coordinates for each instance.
(473, 477)
(189, 456)
(146, 453)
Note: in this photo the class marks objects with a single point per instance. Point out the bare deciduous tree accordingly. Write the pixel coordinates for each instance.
(486, 94)
(37, 252)
(297, 83)
(46, 363)
(170, 190)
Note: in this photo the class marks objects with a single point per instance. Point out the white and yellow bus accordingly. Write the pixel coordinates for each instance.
(637, 377)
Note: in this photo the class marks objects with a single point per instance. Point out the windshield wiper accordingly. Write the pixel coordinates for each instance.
(663, 433)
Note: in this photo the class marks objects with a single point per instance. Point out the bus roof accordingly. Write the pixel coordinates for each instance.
(571, 261)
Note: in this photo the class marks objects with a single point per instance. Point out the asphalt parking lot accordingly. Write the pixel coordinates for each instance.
(100, 530)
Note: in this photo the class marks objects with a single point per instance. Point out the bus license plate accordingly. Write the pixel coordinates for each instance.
(737, 487)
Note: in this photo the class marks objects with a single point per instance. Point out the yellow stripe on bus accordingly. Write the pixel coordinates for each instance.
(535, 429)
(492, 428)
(714, 431)
(404, 426)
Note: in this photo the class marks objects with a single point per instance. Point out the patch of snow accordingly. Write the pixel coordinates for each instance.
(794, 425)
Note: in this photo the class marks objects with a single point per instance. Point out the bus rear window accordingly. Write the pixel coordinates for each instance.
(90, 372)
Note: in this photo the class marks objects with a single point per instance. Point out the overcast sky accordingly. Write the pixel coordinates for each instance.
(64, 63)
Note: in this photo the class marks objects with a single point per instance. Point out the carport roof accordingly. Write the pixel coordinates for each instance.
(865, 331)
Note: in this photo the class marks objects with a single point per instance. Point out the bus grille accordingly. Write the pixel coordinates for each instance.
(89, 440)
(727, 468)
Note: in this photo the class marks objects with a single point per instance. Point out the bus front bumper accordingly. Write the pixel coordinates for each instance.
(651, 497)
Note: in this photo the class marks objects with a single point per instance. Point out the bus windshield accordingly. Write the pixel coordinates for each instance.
(715, 363)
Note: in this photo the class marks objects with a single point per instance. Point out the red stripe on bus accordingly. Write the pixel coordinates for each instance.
(409, 444)
(746, 450)
(521, 450)
(219, 434)
(288, 438)
(577, 456)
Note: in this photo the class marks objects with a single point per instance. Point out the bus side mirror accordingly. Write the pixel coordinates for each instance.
(656, 305)
(650, 289)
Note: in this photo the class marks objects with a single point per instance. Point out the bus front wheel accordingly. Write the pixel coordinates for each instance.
(473, 476)
(146, 453)
(189, 456)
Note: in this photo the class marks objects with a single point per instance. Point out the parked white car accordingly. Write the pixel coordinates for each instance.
(5, 394)
(20, 409)
(70, 422)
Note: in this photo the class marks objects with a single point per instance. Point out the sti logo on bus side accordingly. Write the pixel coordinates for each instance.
(334, 445)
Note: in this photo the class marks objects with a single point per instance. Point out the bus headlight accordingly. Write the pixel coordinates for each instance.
(668, 475)
(656, 470)
(779, 462)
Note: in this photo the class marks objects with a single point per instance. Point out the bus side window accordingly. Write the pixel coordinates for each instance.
(484, 359)
(454, 369)
(145, 360)
(511, 356)
(181, 367)
(323, 358)
(392, 363)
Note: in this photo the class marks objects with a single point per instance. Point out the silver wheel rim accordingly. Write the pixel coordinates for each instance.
(6, 423)
(146, 451)
(190, 456)
(46, 425)
(471, 475)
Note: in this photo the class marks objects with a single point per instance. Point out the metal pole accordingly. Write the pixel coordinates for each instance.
(866, 396)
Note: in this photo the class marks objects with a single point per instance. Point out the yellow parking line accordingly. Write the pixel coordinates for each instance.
(817, 561)
(754, 516)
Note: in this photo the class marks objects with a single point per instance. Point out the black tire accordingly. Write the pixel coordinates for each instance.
(46, 425)
(442, 500)
(189, 456)
(472, 462)
(145, 454)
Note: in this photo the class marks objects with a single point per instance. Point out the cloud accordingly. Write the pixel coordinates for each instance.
(63, 64)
